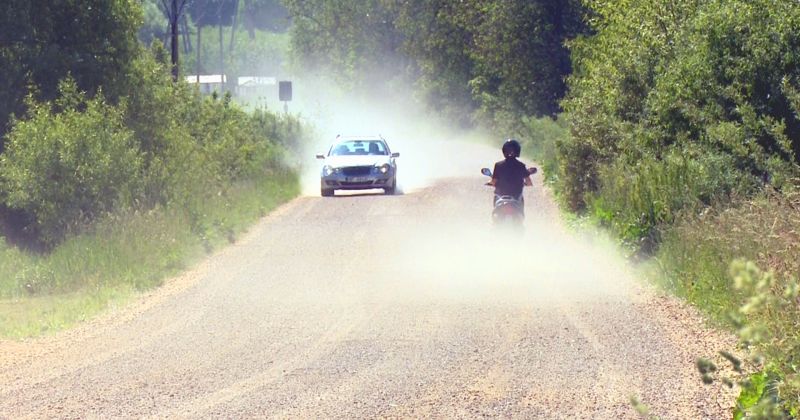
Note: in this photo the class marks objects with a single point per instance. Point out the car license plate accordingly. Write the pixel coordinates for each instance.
(359, 179)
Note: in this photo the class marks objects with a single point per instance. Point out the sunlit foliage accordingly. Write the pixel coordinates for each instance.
(700, 79)
(42, 41)
(474, 59)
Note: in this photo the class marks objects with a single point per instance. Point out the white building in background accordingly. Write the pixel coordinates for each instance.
(256, 87)
(258, 91)
(208, 83)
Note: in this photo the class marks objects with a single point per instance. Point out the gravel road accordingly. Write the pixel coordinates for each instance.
(365, 305)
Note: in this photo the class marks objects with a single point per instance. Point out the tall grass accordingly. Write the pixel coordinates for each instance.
(694, 262)
(696, 252)
(636, 198)
(124, 253)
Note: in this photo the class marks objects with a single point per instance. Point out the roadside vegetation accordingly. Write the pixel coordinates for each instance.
(674, 124)
(113, 176)
(684, 140)
(678, 129)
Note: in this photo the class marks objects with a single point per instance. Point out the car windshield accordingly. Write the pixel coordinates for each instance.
(359, 147)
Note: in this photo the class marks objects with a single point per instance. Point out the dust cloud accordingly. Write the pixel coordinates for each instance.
(470, 261)
(423, 140)
(447, 249)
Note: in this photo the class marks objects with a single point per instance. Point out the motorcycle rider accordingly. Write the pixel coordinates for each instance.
(510, 175)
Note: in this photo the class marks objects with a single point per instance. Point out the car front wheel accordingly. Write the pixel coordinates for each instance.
(391, 190)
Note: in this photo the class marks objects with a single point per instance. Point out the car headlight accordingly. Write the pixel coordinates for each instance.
(328, 170)
(383, 168)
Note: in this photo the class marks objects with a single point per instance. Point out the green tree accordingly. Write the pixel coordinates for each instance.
(155, 23)
(439, 38)
(495, 56)
(355, 40)
(520, 54)
(69, 162)
(212, 12)
(265, 15)
(665, 82)
(42, 41)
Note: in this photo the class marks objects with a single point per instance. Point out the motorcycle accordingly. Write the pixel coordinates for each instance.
(508, 210)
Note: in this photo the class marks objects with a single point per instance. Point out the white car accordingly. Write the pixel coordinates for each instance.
(358, 163)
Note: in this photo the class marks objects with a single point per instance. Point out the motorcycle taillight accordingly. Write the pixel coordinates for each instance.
(508, 209)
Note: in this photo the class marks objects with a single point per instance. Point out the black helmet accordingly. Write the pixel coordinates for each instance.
(511, 149)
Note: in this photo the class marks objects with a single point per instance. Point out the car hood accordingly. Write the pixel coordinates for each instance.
(356, 160)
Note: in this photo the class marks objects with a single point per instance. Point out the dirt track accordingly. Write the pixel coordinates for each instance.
(377, 306)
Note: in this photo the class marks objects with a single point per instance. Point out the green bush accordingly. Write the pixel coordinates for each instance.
(718, 76)
(636, 198)
(161, 113)
(69, 162)
(767, 328)
(122, 253)
(286, 131)
(196, 146)
(697, 249)
(577, 165)
(761, 304)
(227, 138)
(768, 324)
(139, 248)
(127, 191)
(540, 138)
(73, 161)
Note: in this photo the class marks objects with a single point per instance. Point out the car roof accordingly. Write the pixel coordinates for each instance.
(341, 138)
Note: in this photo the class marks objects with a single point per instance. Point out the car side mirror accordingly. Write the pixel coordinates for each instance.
(320, 156)
(395, 155)
(486, 171)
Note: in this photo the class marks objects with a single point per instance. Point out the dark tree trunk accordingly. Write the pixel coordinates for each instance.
(187, 39)
(199, 48)
(173, 26)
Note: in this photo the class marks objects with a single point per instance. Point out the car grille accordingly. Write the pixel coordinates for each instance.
(357, 170)
(356, 184)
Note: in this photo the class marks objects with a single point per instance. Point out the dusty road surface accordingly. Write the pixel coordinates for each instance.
(365, 305)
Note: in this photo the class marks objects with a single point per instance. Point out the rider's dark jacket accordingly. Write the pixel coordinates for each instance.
(509, 176)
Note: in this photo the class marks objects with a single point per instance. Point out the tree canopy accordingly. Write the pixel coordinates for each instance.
(265, 15)
(212, 12)
(704, 77)
(488, 55)
(42, 41)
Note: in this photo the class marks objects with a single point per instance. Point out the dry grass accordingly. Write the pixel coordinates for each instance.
(694, 261)
(123, 254)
